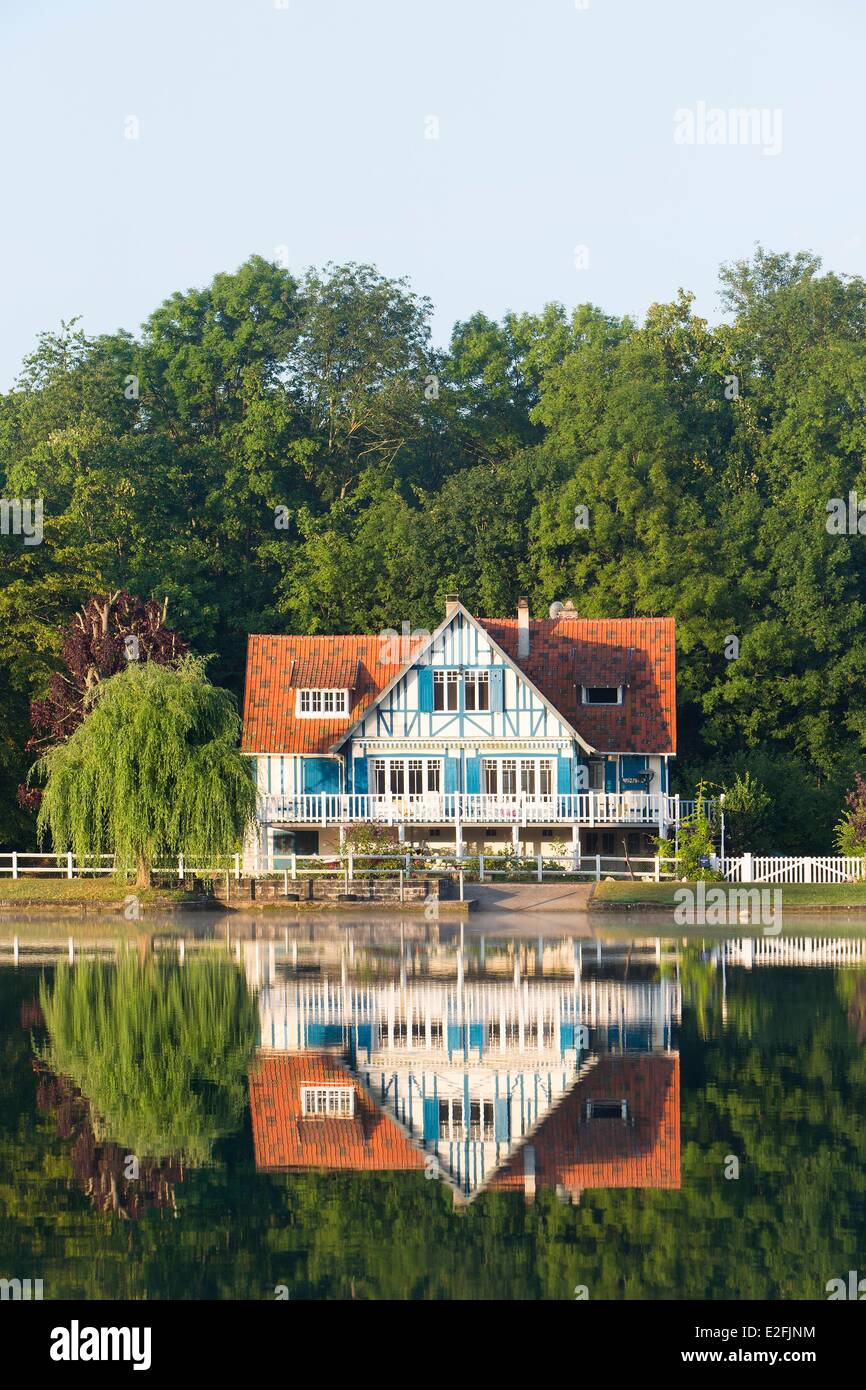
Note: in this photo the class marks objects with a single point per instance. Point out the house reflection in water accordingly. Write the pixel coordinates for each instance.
(487, 1083)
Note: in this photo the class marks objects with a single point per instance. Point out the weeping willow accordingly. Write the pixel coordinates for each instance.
(160, 1051)
(153, 770)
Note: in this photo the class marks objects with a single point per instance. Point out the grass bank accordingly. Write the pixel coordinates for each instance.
(82, 892)
(808, 896)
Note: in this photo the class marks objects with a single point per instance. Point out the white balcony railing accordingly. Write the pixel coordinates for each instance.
(467, 808)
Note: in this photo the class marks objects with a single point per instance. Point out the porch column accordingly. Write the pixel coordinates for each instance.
(575, 846)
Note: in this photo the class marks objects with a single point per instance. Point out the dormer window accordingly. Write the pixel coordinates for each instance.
(327, 1102)
(602, 694)
(322, 704)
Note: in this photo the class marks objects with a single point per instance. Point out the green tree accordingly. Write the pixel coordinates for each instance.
(154, 770)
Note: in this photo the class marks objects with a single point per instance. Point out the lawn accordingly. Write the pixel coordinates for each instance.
(70, 892)
(806, 895)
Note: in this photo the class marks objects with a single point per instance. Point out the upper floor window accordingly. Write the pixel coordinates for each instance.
(602, 694)
(322, 704)
(446, 687)
(328, 1102)
(476, 690)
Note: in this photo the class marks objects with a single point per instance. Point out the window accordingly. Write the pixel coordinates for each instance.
(606, 1110)
(322, 704)
(595, 768)
(446, 685)
(397, 776)
(527, 777)
(545, 777)
(328, 1102)
(451, 1124)
(602, 694)
(503, 776)
(509, 777)
(476, 690)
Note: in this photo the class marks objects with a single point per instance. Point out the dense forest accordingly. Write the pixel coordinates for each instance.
(293, 455)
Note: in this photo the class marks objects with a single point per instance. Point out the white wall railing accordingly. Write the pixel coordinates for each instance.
(651, 809)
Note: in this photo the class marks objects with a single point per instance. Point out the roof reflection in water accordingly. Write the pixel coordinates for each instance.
(504, 1066)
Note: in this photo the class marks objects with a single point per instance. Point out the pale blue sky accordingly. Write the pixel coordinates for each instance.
(304, 127)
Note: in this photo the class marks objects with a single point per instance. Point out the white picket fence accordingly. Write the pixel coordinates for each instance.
(745, 868)
(784, 868)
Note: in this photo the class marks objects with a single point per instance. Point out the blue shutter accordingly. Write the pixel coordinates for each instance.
(454, 1037)
(360, 776)
(566, 1036)
(431, 1119)
(321, 775)
(563, 775)
(610, 775)
(425, 689)
(324, 1034)
(450, 775)
(476, 1036)
(473, 775)
(496, 688)
(364, 1037)
(501, 1121)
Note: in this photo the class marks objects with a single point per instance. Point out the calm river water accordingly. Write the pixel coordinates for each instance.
(414, 1110)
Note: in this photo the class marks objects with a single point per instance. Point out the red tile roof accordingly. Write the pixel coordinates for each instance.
(282, 1138)
(575, 1153)
(565, 653)
(277, 667)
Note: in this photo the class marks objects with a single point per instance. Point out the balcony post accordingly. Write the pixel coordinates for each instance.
(458, 827)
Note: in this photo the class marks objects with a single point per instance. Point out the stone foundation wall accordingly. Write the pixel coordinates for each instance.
(322, 890)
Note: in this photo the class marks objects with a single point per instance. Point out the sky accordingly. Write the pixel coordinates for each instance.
(499, 153)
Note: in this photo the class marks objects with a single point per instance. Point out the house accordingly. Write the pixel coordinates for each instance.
(541, 734)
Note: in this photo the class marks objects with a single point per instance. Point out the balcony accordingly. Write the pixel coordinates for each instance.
(466, 808)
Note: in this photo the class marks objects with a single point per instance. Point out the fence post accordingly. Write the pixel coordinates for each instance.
(401, 885)
(14, 863)
(461, 886)
(285, 883)
(237, 866)
(294, 866)
(746, 870)
(69, 863)
(180, 867)
(481, 868)
(540, 869)
(807, 870)
(657, 867)
(351, 866)
(598, 867)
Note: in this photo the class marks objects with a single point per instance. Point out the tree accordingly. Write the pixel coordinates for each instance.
(96, 646)
(154, 770)
(851, 826)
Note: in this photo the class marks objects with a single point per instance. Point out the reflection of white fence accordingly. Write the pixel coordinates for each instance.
(795, 950)
(783, 868)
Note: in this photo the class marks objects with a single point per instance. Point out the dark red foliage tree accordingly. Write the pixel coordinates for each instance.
(105, 634)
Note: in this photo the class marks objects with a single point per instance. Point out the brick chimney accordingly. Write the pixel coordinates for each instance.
(451, 602)
(522, 628)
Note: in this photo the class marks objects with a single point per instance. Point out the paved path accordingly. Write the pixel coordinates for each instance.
(532, 897)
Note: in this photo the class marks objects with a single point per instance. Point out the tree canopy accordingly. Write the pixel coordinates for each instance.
(293, 454)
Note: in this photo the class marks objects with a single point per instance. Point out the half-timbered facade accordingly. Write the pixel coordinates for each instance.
(553, 734)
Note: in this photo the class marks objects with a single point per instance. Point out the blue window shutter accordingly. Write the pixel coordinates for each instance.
(454, 1037)
(324, 1034)
(563, 775)
(501, 1121)
(496, 687)
(425, 688)
(566, 1036)
(476, 1036)
(360, 776)
(473, 775)
(450, 774)
(364, 1037)
(431, 1119)
(610, 775)
(321, 775)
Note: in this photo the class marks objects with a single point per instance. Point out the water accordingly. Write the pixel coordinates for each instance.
(704, 1138)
